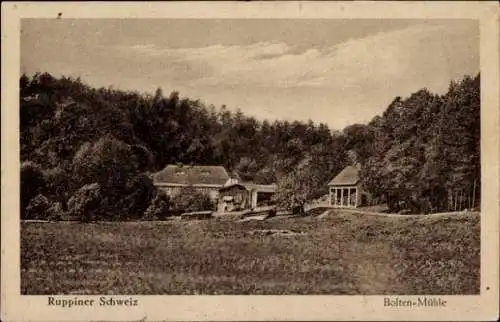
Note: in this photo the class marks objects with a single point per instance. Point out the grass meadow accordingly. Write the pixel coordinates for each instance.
(338, 254)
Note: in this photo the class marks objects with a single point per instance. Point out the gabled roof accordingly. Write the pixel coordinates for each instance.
(348, 176)
(191, 175)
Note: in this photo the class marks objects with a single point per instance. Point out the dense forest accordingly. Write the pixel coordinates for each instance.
(87, 149)
(424, 150)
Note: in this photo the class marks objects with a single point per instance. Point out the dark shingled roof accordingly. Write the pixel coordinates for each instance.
(348, 176)
(190, 175)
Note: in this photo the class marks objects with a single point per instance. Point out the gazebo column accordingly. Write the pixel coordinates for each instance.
(356, 206)
(341, 197)
(253, 198)
(349, 197)
(337, 197)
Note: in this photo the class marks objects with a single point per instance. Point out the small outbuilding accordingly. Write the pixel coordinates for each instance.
(346, 190)
(241, 196)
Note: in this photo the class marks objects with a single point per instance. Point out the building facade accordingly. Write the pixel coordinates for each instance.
(346, 190)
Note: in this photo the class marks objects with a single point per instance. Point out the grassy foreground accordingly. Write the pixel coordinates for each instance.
(337, 254)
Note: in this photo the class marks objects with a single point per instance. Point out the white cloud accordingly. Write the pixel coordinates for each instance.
(418, 54)
(353, 80)
(341, 84)
(215, 53)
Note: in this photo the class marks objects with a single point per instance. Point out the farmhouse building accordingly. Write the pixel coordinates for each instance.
(241, 196)
(345, 189)
(174, 179)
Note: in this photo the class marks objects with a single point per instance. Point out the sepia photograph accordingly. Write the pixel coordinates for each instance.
(250, 156)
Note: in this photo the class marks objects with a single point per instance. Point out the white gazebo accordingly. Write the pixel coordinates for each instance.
(345, 189)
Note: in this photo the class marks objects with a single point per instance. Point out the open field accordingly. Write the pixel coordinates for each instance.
(337, 254)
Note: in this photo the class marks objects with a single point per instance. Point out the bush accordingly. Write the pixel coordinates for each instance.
(32, 184)
(159, 208)
(192, 200)
(140, 193)
(201, 202)
(38, 207)
(55, 211)
(57, 183)
(85, 202)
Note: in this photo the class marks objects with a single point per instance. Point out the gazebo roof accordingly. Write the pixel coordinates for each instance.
(349, 176)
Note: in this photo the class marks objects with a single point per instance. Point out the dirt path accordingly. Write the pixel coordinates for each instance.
(371, 213)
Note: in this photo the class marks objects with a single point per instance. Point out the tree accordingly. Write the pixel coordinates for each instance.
(57, 184)
(138, 194)
(110, 163)
(247, 168)
(38, 207)
(32, 184)
(107, 162)
(425, 149)
(460, 134)
(85, 203)
(297, 187)
(359, 140)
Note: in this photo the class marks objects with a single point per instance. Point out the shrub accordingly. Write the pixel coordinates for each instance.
(202, 202)
(57, 183)
(32, 184)
(140, 193)
(192, 200)
(85, 202)
(159, 208)
(38, 207)
(55, 211)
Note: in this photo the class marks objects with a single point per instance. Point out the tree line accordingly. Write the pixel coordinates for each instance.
(423, 153)
(90, 151)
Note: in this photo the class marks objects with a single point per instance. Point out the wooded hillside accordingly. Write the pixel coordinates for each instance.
(425, 150)
(86, 147)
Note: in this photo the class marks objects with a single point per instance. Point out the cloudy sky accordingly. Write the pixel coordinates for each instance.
(334, 71)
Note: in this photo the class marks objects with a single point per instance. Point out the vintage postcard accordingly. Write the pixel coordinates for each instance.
(250, 161)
